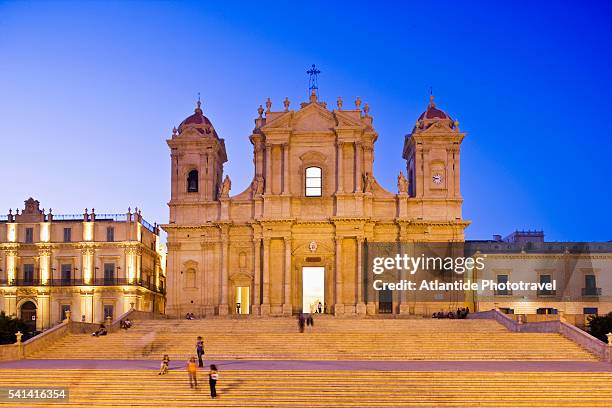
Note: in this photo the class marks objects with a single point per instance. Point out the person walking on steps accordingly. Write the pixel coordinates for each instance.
(213, 376)
(192, 370)
(200, 351)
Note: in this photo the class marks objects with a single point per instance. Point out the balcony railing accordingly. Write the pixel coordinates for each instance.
(545, 292)
(147, 225)
(111, 217)
(81, 282)
(67, 217)
(506, 292)
(591, 291)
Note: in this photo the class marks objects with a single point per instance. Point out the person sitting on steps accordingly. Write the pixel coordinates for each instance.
(163, 369)
(100, 332)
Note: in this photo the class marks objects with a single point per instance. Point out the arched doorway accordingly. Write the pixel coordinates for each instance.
(28, 314)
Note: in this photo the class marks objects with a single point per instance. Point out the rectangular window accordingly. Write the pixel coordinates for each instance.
(590, 286)
(109, 272)
(502, 279)
(67, 234)
(544, 279)
(108, 311)
(313, 182)
(66, 273)
(590, 282)
(590, 311)
(28, 274)
(110, 234)
(29, 235)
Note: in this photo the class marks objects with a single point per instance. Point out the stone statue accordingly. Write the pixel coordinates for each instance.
(225, 187)
(402, 183)
(258, 185)
(367, 183)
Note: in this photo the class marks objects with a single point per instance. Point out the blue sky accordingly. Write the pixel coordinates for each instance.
(89, 92)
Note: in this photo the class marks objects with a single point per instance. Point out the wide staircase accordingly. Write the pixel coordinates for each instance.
(144, 388)
(329, 339)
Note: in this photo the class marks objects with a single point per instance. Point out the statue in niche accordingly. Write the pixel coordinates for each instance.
(258, 185)
(367, 183)
(225, 187)
(402, 183)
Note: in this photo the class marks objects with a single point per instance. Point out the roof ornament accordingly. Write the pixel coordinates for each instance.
(198, 105)
(366, 109)
(286, 104)
(432, 104)
(339, 102)
(268, 105)
(313, 81)
(260, 110)
(358, 103)
(313, 96)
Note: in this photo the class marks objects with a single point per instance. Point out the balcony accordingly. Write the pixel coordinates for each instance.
(81, 282)
(546, 293)
(591, 292)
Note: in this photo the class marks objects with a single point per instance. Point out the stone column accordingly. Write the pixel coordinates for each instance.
(361, 307)
(286, 168)
(11, 265)
(87, 265)
(223, 306)
(358, 155)
(404, 307)
(45, 265)
(339, 305)
(268, 176)
(265, 306)
(256, 277)
(287, 281)
(340, 172)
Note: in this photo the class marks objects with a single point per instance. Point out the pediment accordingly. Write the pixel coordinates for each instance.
(344, 119)
(312, 117)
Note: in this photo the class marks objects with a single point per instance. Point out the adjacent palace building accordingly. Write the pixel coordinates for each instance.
(293, 241)
(89, 266)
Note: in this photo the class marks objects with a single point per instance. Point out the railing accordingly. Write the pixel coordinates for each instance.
(602, 350)
(545, 292)
(111, 217)
(68, 217)
(82, 282)
(591, 291)
(147, 225)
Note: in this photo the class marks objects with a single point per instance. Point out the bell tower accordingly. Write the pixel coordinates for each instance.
(432, 152)
(197, 155)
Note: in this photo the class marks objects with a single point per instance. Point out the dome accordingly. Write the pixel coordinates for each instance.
(434, 116)
(198, 122)
(432, 112)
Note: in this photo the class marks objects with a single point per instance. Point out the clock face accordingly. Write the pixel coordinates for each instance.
(437, 178)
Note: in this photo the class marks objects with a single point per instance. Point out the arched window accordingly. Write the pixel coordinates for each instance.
(192, 181)
(313, 182)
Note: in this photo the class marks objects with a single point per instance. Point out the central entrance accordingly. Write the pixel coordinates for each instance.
(243, 298)
(313, 288)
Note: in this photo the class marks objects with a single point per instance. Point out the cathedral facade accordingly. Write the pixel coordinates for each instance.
(293, 240)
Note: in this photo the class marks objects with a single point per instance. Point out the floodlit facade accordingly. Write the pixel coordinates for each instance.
(297, 231)
(93, 265)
